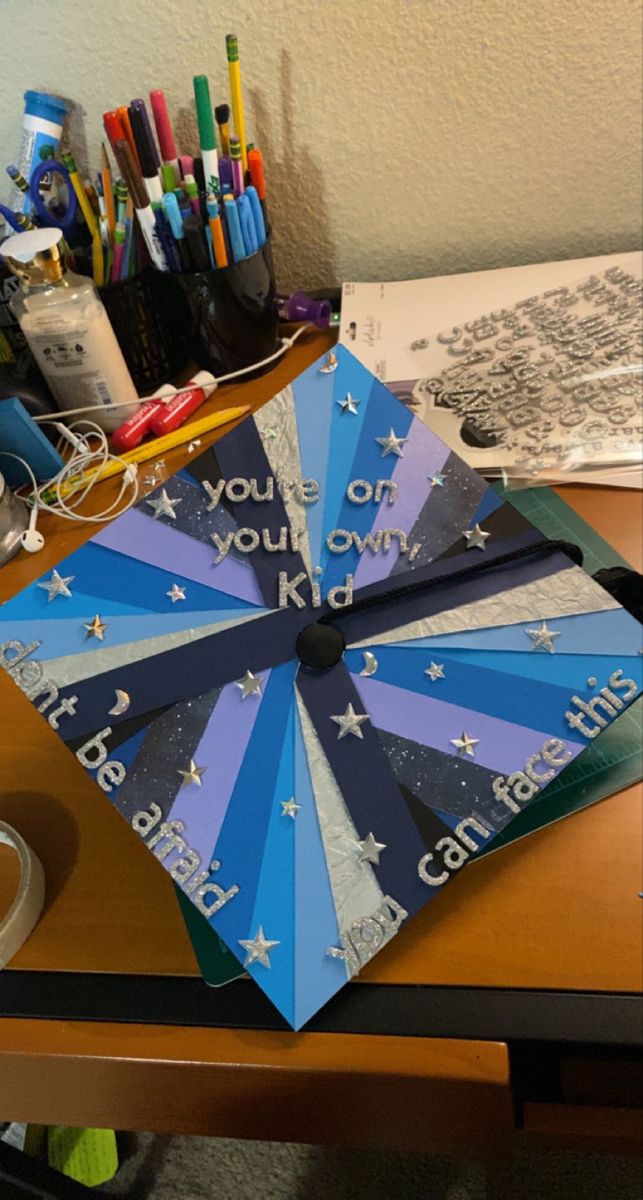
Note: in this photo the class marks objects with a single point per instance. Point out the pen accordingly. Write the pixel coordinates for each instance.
(186, 163)
(238, 186)
(192, 191)
(168, 244)
(234, 71)
(173, 214)
(248, 231)
(164, 132)
(141, 107)
(207, 135)
(138, 193)
(145, 156)
(257, 213)
(237, 244)
(222, 117)
(196, 245)
(216, 229)
(123, 113)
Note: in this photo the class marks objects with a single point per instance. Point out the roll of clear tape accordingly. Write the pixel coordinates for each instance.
(17, 924)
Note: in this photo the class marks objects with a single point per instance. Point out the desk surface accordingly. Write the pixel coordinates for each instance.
(558, 911)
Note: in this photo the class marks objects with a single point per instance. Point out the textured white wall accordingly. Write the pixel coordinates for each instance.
(402, 137)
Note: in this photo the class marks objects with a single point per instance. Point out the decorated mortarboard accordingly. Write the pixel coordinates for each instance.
(318, 670)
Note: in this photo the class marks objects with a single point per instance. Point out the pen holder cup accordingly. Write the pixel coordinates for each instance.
(151, 329)
(233, 312)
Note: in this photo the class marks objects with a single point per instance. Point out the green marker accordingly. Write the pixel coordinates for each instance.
(207, 134)
(168, 178)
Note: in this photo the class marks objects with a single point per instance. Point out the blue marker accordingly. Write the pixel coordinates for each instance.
(237, 244)
(257, 213)
(248, 231)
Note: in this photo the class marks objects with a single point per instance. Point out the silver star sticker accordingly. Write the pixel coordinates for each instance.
(349, 404)
(250, 685)
(349, 722)
(437, 480)
(543, 638)
(475, 537)
(163, 506)
(392, 444)
(176, 593)
(464, 744)
(289, 808)
(370, 850)
(269, 433)
(435, 671)
(192, 774)
(258, 948)
(96, 628)
(56, 586)
(192, 446)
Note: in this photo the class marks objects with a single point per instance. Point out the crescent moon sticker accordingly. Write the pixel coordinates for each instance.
(370, 663)
(330, 364)
(122, 704)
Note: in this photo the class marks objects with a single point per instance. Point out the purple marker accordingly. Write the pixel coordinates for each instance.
(238, 186)
(225, 174)
(140, 106)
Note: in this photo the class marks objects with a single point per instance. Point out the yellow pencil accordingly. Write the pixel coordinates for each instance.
(232, 50)
(106, 176)
(157, 447)
(90, 219)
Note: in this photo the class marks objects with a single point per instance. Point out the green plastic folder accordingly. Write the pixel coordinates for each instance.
(615, 760)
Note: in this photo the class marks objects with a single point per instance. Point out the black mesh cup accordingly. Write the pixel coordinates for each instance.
(152, 328)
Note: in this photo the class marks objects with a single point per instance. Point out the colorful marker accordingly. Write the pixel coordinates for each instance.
(164, 132)
(216, 230)
(237, 244)
(248, 231)
(207, 135)
(238, 186)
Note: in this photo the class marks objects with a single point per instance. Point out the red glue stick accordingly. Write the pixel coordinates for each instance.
(131, 433)
(171, 415)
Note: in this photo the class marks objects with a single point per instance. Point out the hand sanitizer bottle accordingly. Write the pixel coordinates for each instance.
(68, 330)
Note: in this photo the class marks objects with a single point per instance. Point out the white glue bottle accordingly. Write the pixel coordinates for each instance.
(68, 330)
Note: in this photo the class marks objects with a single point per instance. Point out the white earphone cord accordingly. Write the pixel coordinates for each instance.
(85, 461)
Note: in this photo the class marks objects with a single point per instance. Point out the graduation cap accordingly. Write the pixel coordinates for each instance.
(317, 670)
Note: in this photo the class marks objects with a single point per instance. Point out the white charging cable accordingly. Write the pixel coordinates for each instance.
(287, 343)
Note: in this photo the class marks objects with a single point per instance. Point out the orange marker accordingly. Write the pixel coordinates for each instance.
(218, 240)
(113, 127)
(123, 113)
(255, 166)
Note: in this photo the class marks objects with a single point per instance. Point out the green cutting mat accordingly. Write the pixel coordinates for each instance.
(615, 759)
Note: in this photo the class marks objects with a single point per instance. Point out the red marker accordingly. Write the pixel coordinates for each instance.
(164, 132)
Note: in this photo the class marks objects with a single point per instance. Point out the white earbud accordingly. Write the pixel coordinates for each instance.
(31, 540)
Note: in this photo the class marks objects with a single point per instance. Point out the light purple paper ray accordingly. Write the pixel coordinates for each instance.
(502, 745)
(422, 457)
(160, 546)
(221, 751)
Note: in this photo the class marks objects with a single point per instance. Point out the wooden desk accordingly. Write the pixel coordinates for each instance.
(107, 1023)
